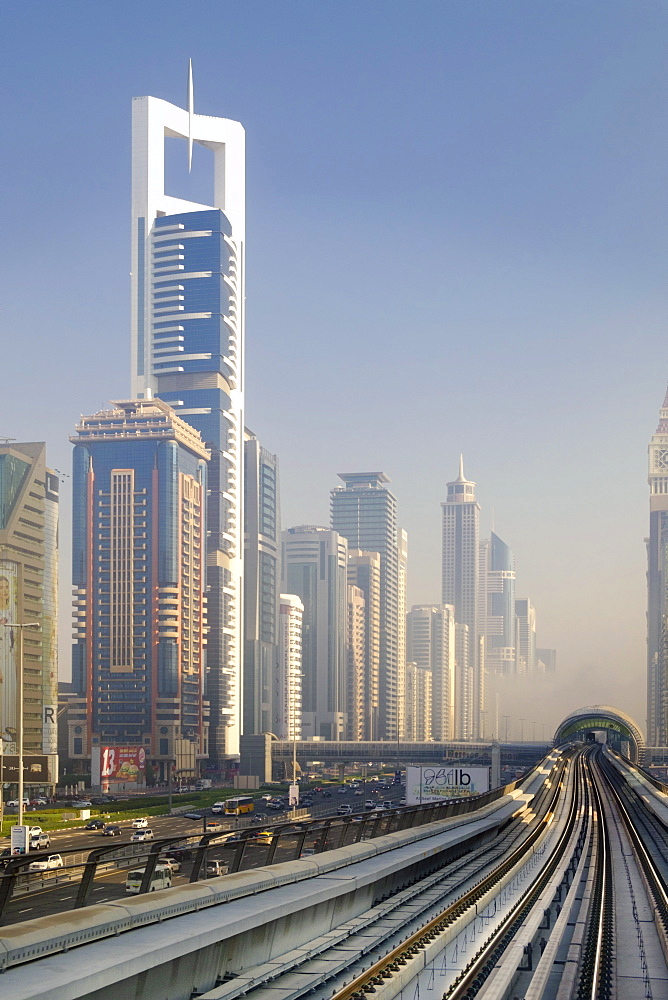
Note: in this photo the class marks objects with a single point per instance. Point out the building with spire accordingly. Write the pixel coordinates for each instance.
(461, 580)
(188, 319)
(657, 585)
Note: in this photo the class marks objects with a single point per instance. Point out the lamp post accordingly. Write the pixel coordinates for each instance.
(19, 706)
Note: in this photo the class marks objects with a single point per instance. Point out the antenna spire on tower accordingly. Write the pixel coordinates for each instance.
(191, 112)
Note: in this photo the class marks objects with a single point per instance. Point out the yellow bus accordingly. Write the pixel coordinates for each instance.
(241, 804)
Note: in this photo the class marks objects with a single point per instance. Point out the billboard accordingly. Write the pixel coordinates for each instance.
(444, 781)
(9, 640)
(122, 763)
(35, 769)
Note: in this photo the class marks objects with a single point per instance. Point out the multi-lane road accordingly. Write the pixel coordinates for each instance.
(42, 894)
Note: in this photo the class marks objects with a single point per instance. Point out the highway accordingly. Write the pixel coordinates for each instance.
(44, 894)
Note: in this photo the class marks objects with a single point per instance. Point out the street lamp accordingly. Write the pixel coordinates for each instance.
(19, 698)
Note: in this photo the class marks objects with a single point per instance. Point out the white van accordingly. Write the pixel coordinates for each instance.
(162, 879)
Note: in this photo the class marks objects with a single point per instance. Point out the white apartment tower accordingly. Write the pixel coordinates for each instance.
(188, 320)
(287, 700)
(461, 531)
(430, 644)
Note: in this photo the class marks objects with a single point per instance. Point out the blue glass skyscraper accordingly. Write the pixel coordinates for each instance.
(187, 348)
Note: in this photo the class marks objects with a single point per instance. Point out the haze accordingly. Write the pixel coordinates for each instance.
(456, 243)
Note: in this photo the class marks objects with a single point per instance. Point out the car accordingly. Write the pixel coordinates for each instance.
(266, 798)
(358, 791)
(307, 852)
(216, 868)
(402, 800)
(344, 810)
(47, 864)
(264, 837)
(387, 804)
(14, 803)
(81, 803)
(213, 825)
(139, 823)
(306, 802)
(326, 795)
(234, 840)
(34, 831)
(38, 802)
(173, 864)
(194, 816)
(112, 830)
(218, 807)
(369, 804)
(140, 835)
(39, 842)
(5, 857)
(94, 824)
(342, 791)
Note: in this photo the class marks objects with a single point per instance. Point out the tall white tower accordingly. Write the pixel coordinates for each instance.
(461, 532)
(188, 320)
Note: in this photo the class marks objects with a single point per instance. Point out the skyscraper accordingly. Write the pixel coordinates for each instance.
(28, 593)
(430, 645)
(657, 585)
(364, 572)
(417, 685)
(365, 512)
(313, 564)
(139, 530)
(356, 650)
(526, 636)
(188, 349)
(497, 597)
(262, 543)
(461, 517)
(287, 673)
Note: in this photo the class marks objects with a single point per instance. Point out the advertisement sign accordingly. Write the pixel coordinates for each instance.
(294, 795)
(122, 763)
(35, 769)
(50, 728)
(19, 840)
(444, 781)
(9, 641)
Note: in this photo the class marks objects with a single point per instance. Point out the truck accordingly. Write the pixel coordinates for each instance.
(202, 784)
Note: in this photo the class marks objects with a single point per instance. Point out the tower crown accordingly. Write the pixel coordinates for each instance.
(461, 490)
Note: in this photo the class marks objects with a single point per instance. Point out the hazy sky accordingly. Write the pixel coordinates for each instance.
(456, 242)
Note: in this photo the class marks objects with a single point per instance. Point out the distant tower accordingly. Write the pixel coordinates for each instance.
(430, 645)
(287, 699)
(314, 563)
(657, 585)
(497, 596)
(526, 636)
(365, 512)
(461, 530)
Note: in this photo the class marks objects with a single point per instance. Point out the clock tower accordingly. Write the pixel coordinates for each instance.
(657, 585)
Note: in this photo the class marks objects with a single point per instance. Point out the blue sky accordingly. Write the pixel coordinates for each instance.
(456, 242)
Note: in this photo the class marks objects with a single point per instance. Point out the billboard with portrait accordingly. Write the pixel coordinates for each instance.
(9, 586)
(444, 781)
(122, 763)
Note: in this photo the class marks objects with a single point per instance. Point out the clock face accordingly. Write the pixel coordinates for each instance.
(660, 460)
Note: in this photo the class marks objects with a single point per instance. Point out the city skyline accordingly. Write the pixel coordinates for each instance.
(578, 309)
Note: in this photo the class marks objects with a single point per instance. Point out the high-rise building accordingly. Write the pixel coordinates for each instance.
(526, 636)
(417, 684)
(463, 684)
(365, 512)
(430, 644)
(314, 567)
(262, 543)
(356, 657)
(548, 657)
(138, 547)
(188, 318)
(287, 698)
(461, 530)
(657, 585)
(402, 599)
(364, 572)
(497, 599)
(28, 593)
